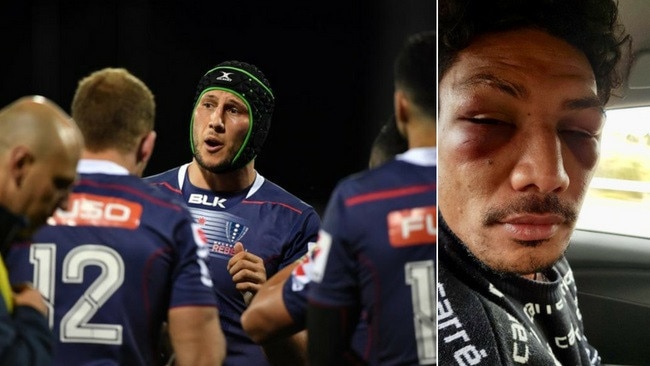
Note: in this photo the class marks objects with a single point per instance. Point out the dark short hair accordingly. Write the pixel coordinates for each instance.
(589, 25)
(415, 70)
(387, 143)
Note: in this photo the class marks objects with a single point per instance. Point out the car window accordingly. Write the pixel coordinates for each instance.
(618, 199)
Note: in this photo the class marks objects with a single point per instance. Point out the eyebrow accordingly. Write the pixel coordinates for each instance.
(518, 91)
(208, 96)
(227, 99)
(584, 103)
(495, 82)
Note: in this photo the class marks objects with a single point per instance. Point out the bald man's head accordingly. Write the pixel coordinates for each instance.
(40, 147)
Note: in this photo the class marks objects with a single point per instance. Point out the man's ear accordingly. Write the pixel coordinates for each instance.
(20, 161)
(402, 110)
(145, 149)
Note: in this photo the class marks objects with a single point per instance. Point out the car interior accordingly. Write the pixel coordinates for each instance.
(610, 250)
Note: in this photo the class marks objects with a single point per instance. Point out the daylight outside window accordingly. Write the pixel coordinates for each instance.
(618, 200)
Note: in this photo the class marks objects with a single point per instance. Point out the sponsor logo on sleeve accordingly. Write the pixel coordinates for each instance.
(86, 209)
(300, 276)
(320, 258)
(413, 226)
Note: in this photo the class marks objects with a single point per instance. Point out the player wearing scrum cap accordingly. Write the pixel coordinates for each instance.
(254, 227)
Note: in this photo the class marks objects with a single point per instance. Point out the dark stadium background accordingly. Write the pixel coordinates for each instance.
(329, 64)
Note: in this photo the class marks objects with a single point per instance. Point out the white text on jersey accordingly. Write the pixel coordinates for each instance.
(203, 200)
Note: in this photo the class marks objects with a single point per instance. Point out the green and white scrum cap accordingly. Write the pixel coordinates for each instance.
(248, 83)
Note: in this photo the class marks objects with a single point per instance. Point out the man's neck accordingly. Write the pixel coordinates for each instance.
(234, 181)
(127, 161)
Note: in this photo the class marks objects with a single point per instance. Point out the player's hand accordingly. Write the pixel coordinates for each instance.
(247, 271)
(26, 295)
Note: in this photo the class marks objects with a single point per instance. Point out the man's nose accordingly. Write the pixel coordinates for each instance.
(540, 165)
(216, 120)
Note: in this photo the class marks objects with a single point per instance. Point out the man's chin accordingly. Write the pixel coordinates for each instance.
(212, 167)
(526, 265)
(522, 258)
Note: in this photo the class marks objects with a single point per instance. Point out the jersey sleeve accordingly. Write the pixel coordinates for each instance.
(305, 234)
(333, 273)
(25, 337)
(294, 292)
(192, 282)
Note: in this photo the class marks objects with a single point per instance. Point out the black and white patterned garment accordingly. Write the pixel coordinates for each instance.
(489, 318)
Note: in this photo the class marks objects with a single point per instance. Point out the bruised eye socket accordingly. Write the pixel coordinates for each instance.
(579, 134)
(584, 125)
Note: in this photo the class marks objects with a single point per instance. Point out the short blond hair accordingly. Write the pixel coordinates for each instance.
(113, 109)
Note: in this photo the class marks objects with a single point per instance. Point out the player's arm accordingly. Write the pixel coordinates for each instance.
(196, 336)
(267, 316)
(268, 322)
(291, 350)
(25, 336)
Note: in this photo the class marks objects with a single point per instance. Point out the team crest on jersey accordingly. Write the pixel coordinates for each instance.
(235, 231)
(222, 230)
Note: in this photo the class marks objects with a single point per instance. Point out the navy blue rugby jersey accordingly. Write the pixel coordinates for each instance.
(294, 294)
(271, 223)
(378, 252)
(112, 265)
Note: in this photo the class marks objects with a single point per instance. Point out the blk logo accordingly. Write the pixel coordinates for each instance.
(203, 199)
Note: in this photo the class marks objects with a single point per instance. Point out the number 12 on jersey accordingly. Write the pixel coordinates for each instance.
(75, 326)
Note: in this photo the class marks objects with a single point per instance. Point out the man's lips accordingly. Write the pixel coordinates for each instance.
(212, 145)
(532, 227)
